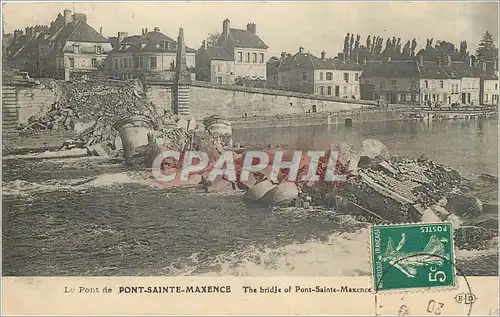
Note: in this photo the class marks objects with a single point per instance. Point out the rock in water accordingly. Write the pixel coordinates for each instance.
(282, 194)
(258, 191)
(373, 148)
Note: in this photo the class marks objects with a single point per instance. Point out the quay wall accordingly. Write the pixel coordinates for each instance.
(233, 101)
(19, 103)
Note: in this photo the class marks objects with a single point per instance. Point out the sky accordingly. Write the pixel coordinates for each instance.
(283, 26)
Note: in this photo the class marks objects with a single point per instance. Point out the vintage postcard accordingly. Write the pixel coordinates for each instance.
(250, 158)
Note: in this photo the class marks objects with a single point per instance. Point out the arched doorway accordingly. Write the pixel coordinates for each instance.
(348, 122)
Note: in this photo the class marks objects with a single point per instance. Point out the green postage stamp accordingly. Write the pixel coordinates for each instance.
(411, 256)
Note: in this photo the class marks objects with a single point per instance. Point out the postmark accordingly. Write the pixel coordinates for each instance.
(412, 256)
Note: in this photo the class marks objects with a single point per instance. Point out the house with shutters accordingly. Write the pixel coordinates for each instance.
(304, 72)
(247, 49)
(69, 47)
(151, 52)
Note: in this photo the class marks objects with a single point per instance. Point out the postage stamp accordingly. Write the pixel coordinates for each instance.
(412, 256)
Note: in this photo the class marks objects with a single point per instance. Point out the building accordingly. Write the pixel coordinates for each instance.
(488, 87)
(214, 64)
(150, 52)
(304, 72)
(247, 49)
(69, 47)
(442, 82)
(436, 85)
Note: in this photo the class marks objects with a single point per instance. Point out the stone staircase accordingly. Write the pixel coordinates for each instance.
(10, 111)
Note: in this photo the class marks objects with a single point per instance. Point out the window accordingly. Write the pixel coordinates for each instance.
(346, 77)
(125, 63)
(355, 89)
(329, 90)
(228, 67)
(248, 58)
(219, 80)
(367, 82)
(356, 77)
(98, 49)
(262, 57)
(76, 49)
(496, 86)
(116, 63)
(138, 62)
(304, 76)
(345, 90)
(426, 84)
(486, 97)
(321, 76)
(441, 84)
(329, 76)
(152, 62)
(121, 62)
(71, 62)
(254, 57)
(426, 97)
(218, 68)
(240, 57)
(94, 62)
(402, 97)
(321, 90)
(393, 83)
(382, 84)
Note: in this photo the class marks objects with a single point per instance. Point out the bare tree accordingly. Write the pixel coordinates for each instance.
(213, 38)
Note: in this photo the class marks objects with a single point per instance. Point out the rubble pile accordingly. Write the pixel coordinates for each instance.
(92, 108)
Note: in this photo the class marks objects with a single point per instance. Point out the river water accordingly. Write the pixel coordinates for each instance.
(118, 224)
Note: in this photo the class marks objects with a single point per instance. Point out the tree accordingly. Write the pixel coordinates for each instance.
(351, 43)
(413, 47)
(486, 50)
(213, 38)
(407, 49)
(369, 43)
(346, 45)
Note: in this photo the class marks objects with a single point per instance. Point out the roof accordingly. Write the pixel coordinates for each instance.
(80, 31)
(243, 38)
(488, 73)
(309, 61)
(219, 53)
(392, 69)
(432, 70)
(153, 41)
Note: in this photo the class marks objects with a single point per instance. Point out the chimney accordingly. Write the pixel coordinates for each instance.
(301, 49)
(121, 36)
(225, 28)
(342, 57)
(29, 33)
(447, 60)
(80, 17)
(17, 34)
(142, 31)
(471, 61)
(252, 28)
(420, 60)
(145, 30)
(67, 17)
(182, 73)
(323, 55)
(157, 29)
(100, 30)
(204, 44)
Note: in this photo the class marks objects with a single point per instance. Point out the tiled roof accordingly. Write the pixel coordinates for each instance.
(219, 53)
(432, 70)
(347, 65)
(392, 69)
(244, 38)
(149, 42)
(79, 31)
(488, 73)
(464, 70)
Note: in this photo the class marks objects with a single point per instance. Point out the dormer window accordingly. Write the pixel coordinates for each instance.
(98, 49)
(76, 48)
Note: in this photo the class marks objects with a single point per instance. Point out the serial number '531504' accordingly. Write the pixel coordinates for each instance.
(433, 229)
